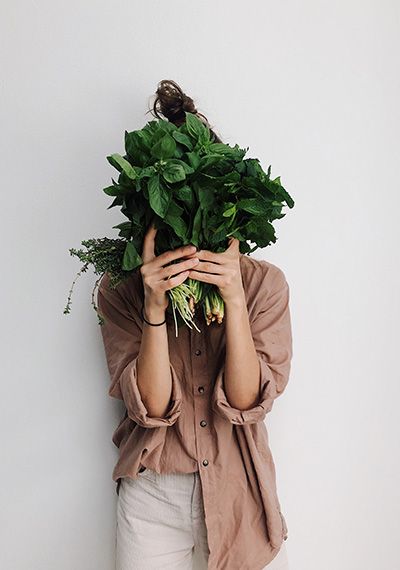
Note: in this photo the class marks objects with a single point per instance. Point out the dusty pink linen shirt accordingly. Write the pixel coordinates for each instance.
(201, 430)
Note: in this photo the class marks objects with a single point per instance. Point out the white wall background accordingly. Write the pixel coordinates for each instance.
(313, 88)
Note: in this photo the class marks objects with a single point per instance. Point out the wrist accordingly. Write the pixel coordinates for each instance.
(236, 303)
(153, 313)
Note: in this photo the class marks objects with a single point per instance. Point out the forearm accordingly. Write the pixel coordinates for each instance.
(242, 368)
(153, 366)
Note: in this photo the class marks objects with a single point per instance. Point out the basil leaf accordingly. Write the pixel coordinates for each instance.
(121, 164)
(229, 212)
(175, 220)
(183, 139)
(159, 196)
(131, 258)
(196, 128)
(256, 206)
(164, 148)
(196, 227)
(174, 173)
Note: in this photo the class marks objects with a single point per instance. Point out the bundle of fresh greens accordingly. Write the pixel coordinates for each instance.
(196, 191)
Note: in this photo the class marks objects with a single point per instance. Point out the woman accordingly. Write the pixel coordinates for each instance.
(195, 477)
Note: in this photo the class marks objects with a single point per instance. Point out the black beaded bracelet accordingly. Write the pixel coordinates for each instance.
(148, 322)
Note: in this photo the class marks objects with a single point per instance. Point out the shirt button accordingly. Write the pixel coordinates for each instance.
(197, 352)
(205, 462)
(201, 389)
(203, 423)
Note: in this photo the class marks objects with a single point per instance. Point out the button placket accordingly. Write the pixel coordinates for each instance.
(199, 369)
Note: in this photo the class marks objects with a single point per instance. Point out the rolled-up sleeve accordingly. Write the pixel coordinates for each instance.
(272, 336)
(121, 333)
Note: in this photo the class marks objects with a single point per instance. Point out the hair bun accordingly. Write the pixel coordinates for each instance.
(188, 104)
(172, 102)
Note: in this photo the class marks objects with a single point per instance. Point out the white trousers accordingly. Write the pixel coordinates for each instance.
(160, 524)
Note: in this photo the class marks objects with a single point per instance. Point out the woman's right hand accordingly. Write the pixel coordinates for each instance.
(158, 277)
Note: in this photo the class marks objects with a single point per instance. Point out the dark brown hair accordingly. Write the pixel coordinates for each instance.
(171, 103)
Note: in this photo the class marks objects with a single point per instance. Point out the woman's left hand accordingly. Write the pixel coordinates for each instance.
(221, 269)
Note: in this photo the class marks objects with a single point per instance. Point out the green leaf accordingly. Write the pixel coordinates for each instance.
(174, 218)
(118, 201)
(208, 161)
(183, 139)
(131, 258)
(234, 153)
(230, 211)
(121, 164)
(194, 159)
(173, 173)
(196, 227)
(185, 194)
(164, 148)
(125, 229)
(196, 128)
(147, 172)
(255, 206)
(236, 233)
(178, 225)
(137, 146)
(114, 190)
(186, 167)
(260, 231)
(287, 197)
(206, 197)
(159, 196)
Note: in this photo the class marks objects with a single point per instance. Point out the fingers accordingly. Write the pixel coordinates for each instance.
(171, 255)
(156, 285)
(174, 281)
(148, 252)
(174, 268)
(233, 247)
(212, 278)
(209, 267)
(158, 273)
(210, 256)
(160, 267)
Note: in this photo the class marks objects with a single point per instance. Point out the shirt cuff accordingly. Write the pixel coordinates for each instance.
(135, 406)
(255, 414)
